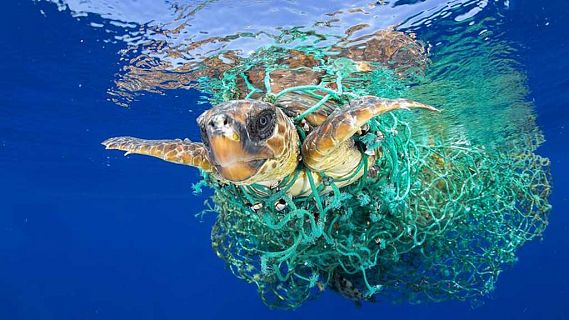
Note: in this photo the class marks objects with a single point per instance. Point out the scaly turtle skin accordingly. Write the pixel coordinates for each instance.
(255, 142)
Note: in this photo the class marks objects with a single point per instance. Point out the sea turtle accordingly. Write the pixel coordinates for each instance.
(249, 141)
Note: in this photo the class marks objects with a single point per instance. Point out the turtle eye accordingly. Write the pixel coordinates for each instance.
(262, 125)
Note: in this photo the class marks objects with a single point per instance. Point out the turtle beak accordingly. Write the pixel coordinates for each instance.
(226, 150)
(232, 160)
(224, 141)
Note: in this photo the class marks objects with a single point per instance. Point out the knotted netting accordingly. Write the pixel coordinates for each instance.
(433, 218)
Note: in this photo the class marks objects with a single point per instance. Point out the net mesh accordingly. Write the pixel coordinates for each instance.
(434, 218)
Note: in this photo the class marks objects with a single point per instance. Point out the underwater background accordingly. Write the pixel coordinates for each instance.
(87, 234)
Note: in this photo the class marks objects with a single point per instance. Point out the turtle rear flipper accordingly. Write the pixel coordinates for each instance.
(330, 149)
(177, 151)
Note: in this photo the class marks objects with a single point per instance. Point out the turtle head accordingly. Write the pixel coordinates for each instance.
(249, 141)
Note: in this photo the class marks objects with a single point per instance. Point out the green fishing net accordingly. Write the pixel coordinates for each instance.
(434, 218)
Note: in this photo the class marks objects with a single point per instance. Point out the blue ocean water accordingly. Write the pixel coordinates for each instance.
(86, 234)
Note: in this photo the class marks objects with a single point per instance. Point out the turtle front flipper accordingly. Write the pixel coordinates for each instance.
(177, 151)
(329, 148)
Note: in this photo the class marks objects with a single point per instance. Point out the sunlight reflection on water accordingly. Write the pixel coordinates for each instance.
(165, 42)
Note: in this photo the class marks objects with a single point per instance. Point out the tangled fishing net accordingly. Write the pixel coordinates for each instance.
(435, 218)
